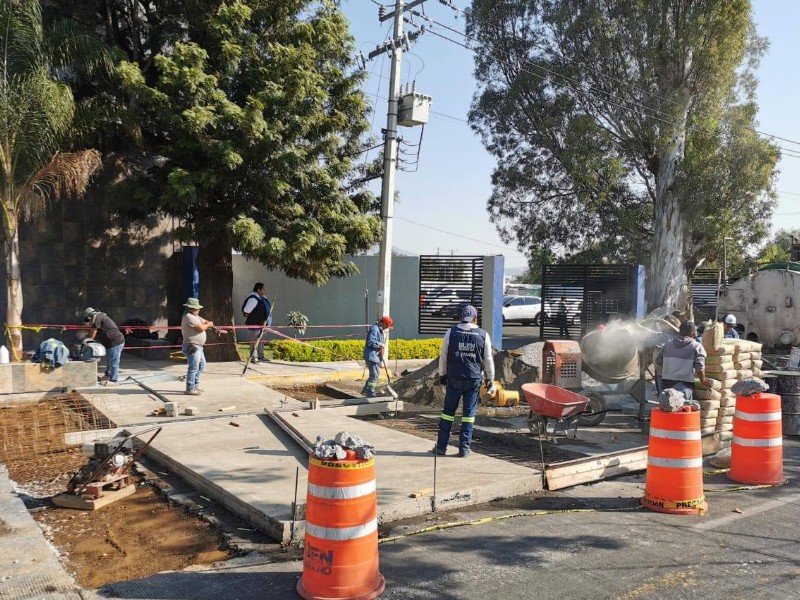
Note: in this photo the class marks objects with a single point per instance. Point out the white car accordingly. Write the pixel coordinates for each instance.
(522, 309)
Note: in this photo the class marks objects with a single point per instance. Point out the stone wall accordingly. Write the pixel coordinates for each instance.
(81, 254)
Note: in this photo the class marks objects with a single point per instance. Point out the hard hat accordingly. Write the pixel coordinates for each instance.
(387, 320)
(730, 320)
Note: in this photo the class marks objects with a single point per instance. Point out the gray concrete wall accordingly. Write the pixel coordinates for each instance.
(340, 301)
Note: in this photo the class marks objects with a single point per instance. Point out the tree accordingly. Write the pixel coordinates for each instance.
(607, 118)
(777, 249)
(257, 111)
(37, 110)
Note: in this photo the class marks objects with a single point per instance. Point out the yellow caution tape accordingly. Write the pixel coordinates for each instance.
(655, 502)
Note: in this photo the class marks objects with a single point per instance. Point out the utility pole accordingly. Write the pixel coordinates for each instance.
(390, 151)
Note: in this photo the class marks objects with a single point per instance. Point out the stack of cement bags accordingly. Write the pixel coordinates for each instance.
(728, 361)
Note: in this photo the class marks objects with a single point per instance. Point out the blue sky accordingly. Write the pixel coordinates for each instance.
(449, 190)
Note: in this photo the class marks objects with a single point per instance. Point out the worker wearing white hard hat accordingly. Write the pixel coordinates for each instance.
(730, 327)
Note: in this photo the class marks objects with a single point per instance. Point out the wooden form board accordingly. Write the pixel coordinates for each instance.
(594, 468)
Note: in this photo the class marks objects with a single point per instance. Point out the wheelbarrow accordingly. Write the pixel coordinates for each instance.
(553, 404)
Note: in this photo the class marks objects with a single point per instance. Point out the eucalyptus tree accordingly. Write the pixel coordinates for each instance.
(623, 123)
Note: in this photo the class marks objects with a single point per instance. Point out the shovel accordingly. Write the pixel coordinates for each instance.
(389, 387)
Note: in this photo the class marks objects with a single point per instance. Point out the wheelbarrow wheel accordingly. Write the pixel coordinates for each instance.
(595, 410)
(537, 424)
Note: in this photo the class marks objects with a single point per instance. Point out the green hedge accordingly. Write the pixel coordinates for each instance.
(332, 350)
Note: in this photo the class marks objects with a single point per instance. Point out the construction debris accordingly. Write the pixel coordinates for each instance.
(749, 386)
(671, 400)
(513, 368)
(337, 447)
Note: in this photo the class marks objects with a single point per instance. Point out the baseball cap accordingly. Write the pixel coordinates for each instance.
(387, 320)
(730, 320)
(468, 312)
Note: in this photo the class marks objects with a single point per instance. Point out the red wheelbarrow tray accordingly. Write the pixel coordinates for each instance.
(552, 401)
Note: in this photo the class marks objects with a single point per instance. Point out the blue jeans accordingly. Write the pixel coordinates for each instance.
(113, 357)
(372, 381)
(681, 386)
(196, 363)
(256, 352)
(456, 390)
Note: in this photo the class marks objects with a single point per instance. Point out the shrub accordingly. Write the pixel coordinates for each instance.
(334, 350)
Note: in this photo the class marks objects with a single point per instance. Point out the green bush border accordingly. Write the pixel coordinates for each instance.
(338, 350)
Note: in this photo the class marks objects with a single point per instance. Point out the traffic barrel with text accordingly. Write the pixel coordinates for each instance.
(340, 560)
(674, 481)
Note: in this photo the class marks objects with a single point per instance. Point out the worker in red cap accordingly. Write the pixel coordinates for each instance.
(374, 351)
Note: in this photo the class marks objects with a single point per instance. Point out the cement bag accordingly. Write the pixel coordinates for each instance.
(709, 404)
(725, 421)
(726, 411)
(733, 344)
(748, 346)
(742, 364)
(707, 423)
(722, 376)
(712, 338)
(708, 414)
(758, 373)
(728, 402)
(740, 356)
(708, 395)
(721, 368)
(744, 373)
(758, 363)
(719, 359)
(715, 385)
(707, 430)
(722, 351)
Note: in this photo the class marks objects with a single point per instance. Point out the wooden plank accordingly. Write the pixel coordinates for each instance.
(74, 501)
(420, 493)
(595, 468)
(373, 408)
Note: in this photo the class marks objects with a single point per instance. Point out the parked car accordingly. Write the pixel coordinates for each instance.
(522, 309)
(442, 302)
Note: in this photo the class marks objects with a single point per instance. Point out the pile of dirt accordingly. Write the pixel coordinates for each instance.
(131, 538)
(513, 368)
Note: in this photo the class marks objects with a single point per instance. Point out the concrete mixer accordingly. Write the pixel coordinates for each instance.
(618, 355)
(767, 305)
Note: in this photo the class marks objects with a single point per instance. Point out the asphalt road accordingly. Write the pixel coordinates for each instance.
(746, 546)
(516, 336)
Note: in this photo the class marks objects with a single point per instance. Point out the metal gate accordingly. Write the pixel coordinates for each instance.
(577, 298)
(446, 283)
(706, 284)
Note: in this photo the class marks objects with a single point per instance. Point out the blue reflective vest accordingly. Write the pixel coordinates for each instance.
(465, 352)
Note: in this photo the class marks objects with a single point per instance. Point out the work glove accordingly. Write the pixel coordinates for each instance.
(490, 389)
(442, 379)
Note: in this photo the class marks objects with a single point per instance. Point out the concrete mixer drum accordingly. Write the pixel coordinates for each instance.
(610, 355)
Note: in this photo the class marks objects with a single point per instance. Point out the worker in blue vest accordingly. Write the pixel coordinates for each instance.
(466, 354)
(375, 352)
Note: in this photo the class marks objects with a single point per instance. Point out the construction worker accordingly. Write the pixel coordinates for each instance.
(466, 351)
(561, 315)
(374, 352)
(193, 329)
(257, 311)
(730, 327)
(100, 321)
(681, 359)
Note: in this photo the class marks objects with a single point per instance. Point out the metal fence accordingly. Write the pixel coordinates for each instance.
(577, 298)
(446, 283)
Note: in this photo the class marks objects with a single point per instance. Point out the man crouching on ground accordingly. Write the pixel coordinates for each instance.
(466, 351)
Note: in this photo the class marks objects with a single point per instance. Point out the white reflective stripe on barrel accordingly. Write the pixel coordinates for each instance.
(773, 416)
(759, 443)
(675, 463)
(340, 534)
(669, 434)
(341, 493)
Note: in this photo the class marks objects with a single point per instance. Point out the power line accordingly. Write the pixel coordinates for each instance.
(463, 237)
(452, 6)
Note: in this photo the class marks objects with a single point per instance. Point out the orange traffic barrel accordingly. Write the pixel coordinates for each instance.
(674, 482)
(757, 444)
(341, 542)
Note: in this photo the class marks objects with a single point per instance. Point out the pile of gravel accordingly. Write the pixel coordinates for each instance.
(512, 369)
(338, 446)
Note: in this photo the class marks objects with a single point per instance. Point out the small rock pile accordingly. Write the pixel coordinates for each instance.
(671, 400)
(512, 369)
(336, 449)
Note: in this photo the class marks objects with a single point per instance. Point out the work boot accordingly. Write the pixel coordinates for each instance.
(464, 453)
(194, 392)
(254, 360)
(435, 450)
